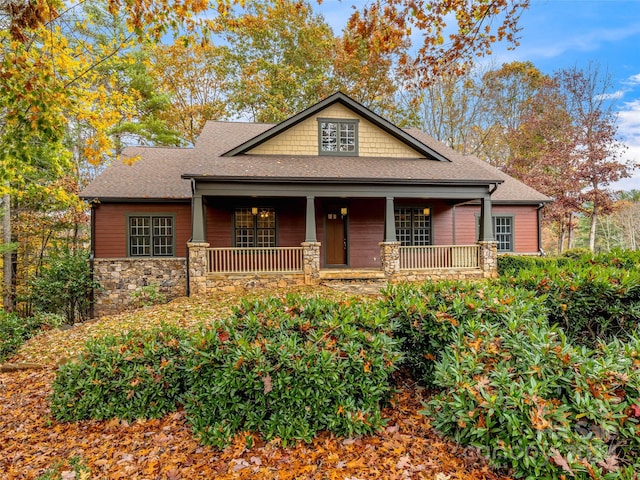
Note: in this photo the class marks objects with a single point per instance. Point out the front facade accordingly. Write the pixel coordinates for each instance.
(335, 192)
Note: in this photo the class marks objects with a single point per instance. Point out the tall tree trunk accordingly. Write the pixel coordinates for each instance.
(570, 232)
(561, 237)
(592, 230)
(8, 255)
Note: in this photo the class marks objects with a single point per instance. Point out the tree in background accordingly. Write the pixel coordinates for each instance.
(597, 148)
(195, 76)
(279, 58)
(51, 82)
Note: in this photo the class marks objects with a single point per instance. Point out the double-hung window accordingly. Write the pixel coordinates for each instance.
(502, 231)
(413, 226)
(151, 235)
(255, 227)
(337, 137)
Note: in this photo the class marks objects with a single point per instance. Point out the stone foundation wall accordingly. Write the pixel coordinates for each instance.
(120, 277)
(437, 275)
(240, 283)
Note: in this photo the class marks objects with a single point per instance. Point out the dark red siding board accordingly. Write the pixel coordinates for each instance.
(365, 232)
(525, 223)
(110, 221)
(290, 217)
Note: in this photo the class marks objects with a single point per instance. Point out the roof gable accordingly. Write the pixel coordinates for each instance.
(300, 132)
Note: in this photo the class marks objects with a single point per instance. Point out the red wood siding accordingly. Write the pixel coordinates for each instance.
(441, 217)
(525, 219)
(365, 232)
(289, 217)
(110, 221)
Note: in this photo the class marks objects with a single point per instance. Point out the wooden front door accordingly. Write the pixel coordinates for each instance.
(336, 238)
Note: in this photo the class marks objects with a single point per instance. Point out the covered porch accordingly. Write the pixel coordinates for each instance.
(287, 233)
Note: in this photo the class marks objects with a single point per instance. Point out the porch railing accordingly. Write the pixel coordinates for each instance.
(439, 257)
(255, 260)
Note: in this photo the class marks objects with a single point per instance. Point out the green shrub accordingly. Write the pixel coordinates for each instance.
(14, 330)
(429, 316)
(137, 375)
(518, 391)
(290, 368)
(64, 286)
(510, 265)
(590, 301)
(578, 253)
(147, 296)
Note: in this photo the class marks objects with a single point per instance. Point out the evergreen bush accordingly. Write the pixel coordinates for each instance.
(290, 368)
(15, 330)
(429, 316)
(138, 374)
(64, 286)
(530, 401)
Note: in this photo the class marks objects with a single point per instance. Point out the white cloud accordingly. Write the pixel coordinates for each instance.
(611, 96)
(633, 79)
(629, 131)
(629, 122)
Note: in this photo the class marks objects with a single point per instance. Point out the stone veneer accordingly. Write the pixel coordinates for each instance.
(489, 259)
(311, 262)
(120, 277)
(234, 282)
(390, 258)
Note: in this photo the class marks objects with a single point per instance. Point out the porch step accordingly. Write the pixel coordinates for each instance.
(349, 274)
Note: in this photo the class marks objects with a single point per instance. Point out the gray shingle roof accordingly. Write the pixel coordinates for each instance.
(157, 174)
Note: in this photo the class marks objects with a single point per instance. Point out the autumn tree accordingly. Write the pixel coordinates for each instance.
(365, 66)
(454, 32)
(195, 76)
(599, 164)
(46, 79)
(279, 58)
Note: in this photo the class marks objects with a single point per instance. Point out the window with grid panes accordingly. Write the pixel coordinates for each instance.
(413, 227)
(151, 236)
(503, 233)
(339, 137)
(255, 230)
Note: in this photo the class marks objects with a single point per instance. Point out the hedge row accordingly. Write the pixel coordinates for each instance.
(512, 385)
(592, 297)
(285, 368)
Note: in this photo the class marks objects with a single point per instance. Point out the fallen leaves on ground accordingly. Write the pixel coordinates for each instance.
(31, 442)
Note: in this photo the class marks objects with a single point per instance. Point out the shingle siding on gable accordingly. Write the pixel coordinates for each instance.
(302, 139)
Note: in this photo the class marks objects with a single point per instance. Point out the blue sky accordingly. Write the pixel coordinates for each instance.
(560, 34)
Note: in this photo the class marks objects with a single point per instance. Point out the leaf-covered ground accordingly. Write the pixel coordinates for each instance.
(32, 443)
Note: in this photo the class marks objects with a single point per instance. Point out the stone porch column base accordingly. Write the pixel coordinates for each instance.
(197, 268)
(489, 258)
(311, 262)
(390, 258)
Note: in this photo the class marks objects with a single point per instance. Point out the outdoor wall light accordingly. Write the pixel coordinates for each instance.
(426, 211)
(343, 211)
(254, 210)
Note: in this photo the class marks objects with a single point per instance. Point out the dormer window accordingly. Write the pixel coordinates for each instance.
(337, 136)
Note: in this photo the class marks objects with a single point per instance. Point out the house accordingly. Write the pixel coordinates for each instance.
(334, 192)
